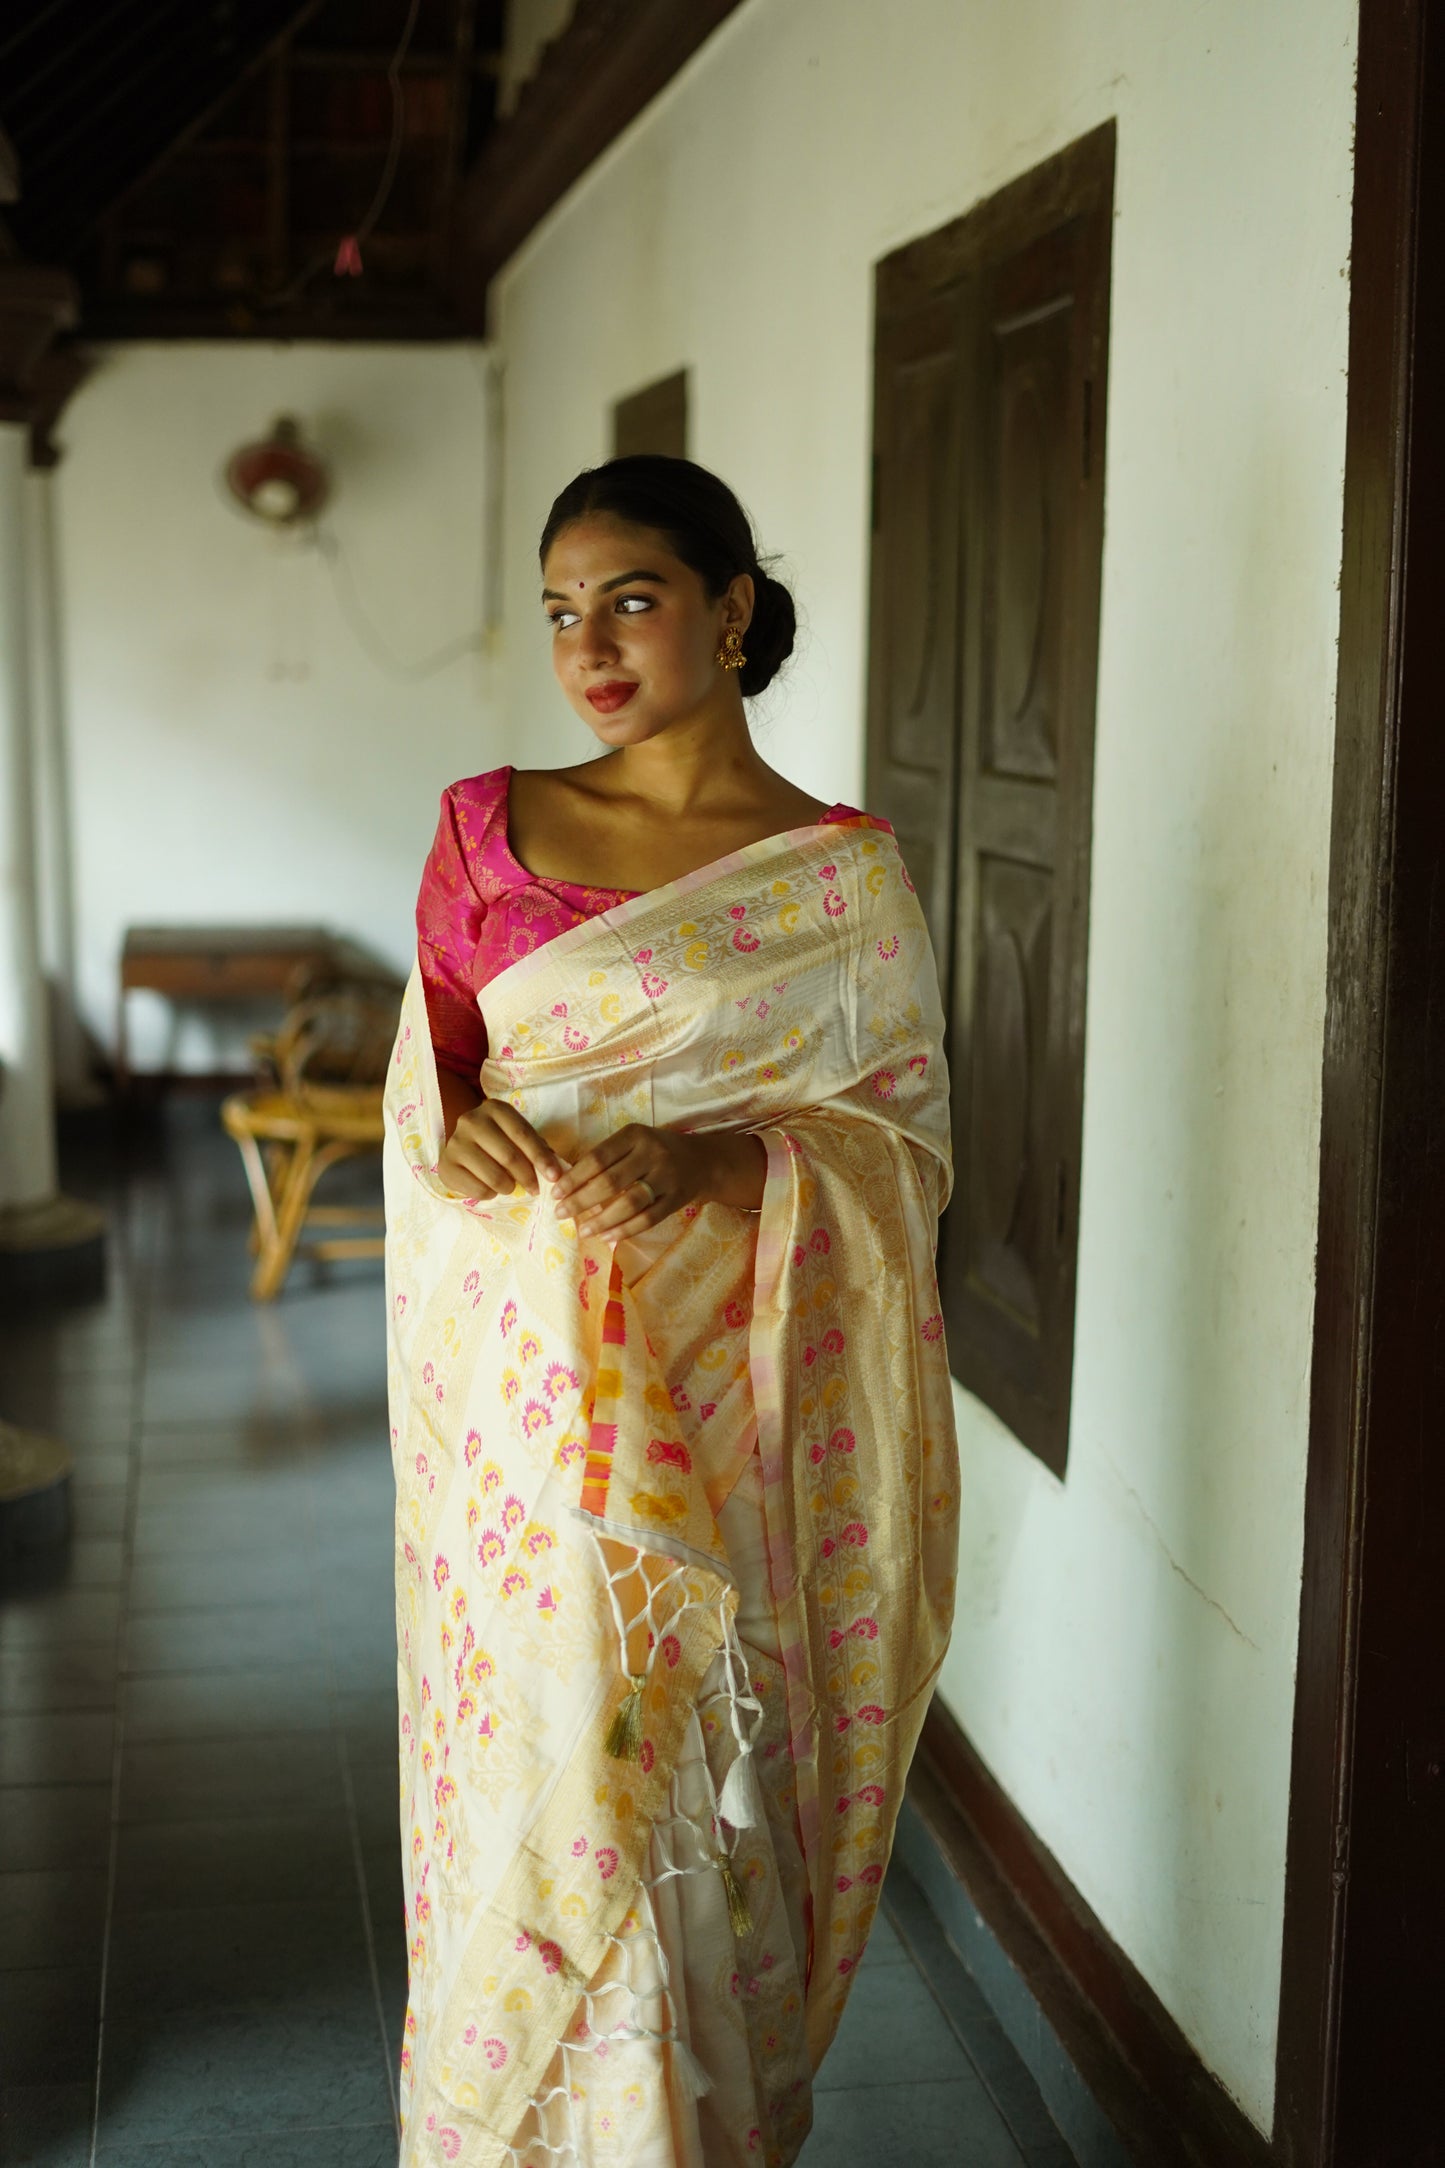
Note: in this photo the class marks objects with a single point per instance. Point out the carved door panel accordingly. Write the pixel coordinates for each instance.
(983, 727)
(920, 395)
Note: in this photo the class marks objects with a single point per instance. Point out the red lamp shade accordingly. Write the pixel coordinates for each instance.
(278, 479)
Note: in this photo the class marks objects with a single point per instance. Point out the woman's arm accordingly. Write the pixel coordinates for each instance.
(458, 1096)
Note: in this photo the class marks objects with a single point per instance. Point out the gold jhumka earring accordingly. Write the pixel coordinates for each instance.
(730, 654)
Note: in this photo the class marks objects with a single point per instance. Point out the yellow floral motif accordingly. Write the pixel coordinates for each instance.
(661, 1511)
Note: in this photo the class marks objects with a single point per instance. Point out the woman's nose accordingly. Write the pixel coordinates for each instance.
(595, 643)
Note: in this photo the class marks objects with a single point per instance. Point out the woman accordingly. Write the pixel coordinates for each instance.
(676, 1472)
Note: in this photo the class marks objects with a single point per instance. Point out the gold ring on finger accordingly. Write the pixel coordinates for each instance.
(643, 1183)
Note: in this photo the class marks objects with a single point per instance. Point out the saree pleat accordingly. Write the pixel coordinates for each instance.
(676, 1523)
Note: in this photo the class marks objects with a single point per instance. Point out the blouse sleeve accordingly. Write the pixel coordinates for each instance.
(449, 915)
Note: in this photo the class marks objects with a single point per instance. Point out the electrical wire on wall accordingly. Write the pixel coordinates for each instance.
(364, 632)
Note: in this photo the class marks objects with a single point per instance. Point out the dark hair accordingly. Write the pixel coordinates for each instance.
(703, 524)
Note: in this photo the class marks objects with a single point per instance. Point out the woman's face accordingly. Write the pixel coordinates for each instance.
(634, 636)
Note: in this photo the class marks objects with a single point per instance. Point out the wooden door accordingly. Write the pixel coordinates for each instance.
(991, 349)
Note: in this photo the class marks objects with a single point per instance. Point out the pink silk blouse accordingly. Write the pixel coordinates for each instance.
(479, 910)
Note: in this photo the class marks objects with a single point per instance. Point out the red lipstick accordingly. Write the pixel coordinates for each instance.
(611, 696)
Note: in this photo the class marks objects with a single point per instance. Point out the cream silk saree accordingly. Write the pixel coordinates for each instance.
(676, 1525)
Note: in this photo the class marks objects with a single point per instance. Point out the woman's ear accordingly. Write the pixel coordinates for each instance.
(740, 601)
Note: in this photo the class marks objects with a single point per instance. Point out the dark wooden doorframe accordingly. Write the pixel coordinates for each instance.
(1362, 2010)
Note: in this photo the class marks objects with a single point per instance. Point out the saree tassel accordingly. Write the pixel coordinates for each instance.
(688, 2075)
(740, 1918)
(624, 1733)
(738, 1801)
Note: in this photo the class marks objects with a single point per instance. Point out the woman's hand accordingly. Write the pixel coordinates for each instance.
(493, 1150)
(606, 1190)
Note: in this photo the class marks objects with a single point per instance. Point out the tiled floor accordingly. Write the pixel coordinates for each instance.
(201, 1953)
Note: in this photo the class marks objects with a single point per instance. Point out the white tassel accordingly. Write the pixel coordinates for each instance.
(738, 1802)
(691, 2080)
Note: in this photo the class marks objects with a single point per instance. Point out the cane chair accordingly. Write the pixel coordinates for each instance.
(321, 1104)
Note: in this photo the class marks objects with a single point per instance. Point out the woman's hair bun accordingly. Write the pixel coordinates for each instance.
(702, 523)
(768, 641)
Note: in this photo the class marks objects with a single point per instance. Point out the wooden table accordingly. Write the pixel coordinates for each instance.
(214, 963)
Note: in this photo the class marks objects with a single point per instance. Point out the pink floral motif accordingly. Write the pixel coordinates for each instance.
(820, 1241)
(918, 1063)
(495, 2051)
(441, 1571)
(473, 1446)
(745, 942)
(578, 1041)
(932, 1327)
(842, 1441)
(646, 1756)
(666, 1453)
(734, 1314)
(888, 949)
(579, 1846)
(653, 986)
(834, 904)
(885, 1083)
(559, 1376)
(551, 1956)
(547, 1602)
(810, 1356)
(833, 1340)
(606, 1860)
(672, 1651)
(737, 910)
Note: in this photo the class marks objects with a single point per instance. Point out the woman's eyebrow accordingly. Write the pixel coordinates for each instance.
(622, 579)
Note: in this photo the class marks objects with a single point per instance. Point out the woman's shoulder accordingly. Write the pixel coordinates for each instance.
(479, 795)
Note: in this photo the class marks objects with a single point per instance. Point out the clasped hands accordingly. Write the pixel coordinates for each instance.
(493, 1150)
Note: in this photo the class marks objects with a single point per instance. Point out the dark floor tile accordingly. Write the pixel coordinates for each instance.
(99, 1509)
(51, 1916)
(1010, 2083)
(54, 1825)
(45, 2126)
(180, 1580)
(208, 2072)
(235, 1446)
(884, 1947)
(199, 1779)
(235, 1638)
(60, 1615)
(263, 1859)
(65, 1747)
(224, 1704)
(339, 2147)
(933, 2124)
(304, 1956)
(78, 1675)
(80, 1562)
(49, 2024)
(893, 2024)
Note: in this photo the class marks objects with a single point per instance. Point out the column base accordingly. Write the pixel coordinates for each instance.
(34, 1491)
(53, 1251)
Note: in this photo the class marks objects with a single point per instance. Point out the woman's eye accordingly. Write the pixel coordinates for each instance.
(645, 600)
(555, 617)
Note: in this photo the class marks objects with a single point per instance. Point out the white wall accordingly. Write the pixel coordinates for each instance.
(235, 752)
(1124, 1652)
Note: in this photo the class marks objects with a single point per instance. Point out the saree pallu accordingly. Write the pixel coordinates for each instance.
(643, 1838)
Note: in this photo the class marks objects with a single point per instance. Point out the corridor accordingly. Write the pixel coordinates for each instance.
(200, 1894)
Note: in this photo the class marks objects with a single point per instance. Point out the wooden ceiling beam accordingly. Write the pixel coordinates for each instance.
(592, 82)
